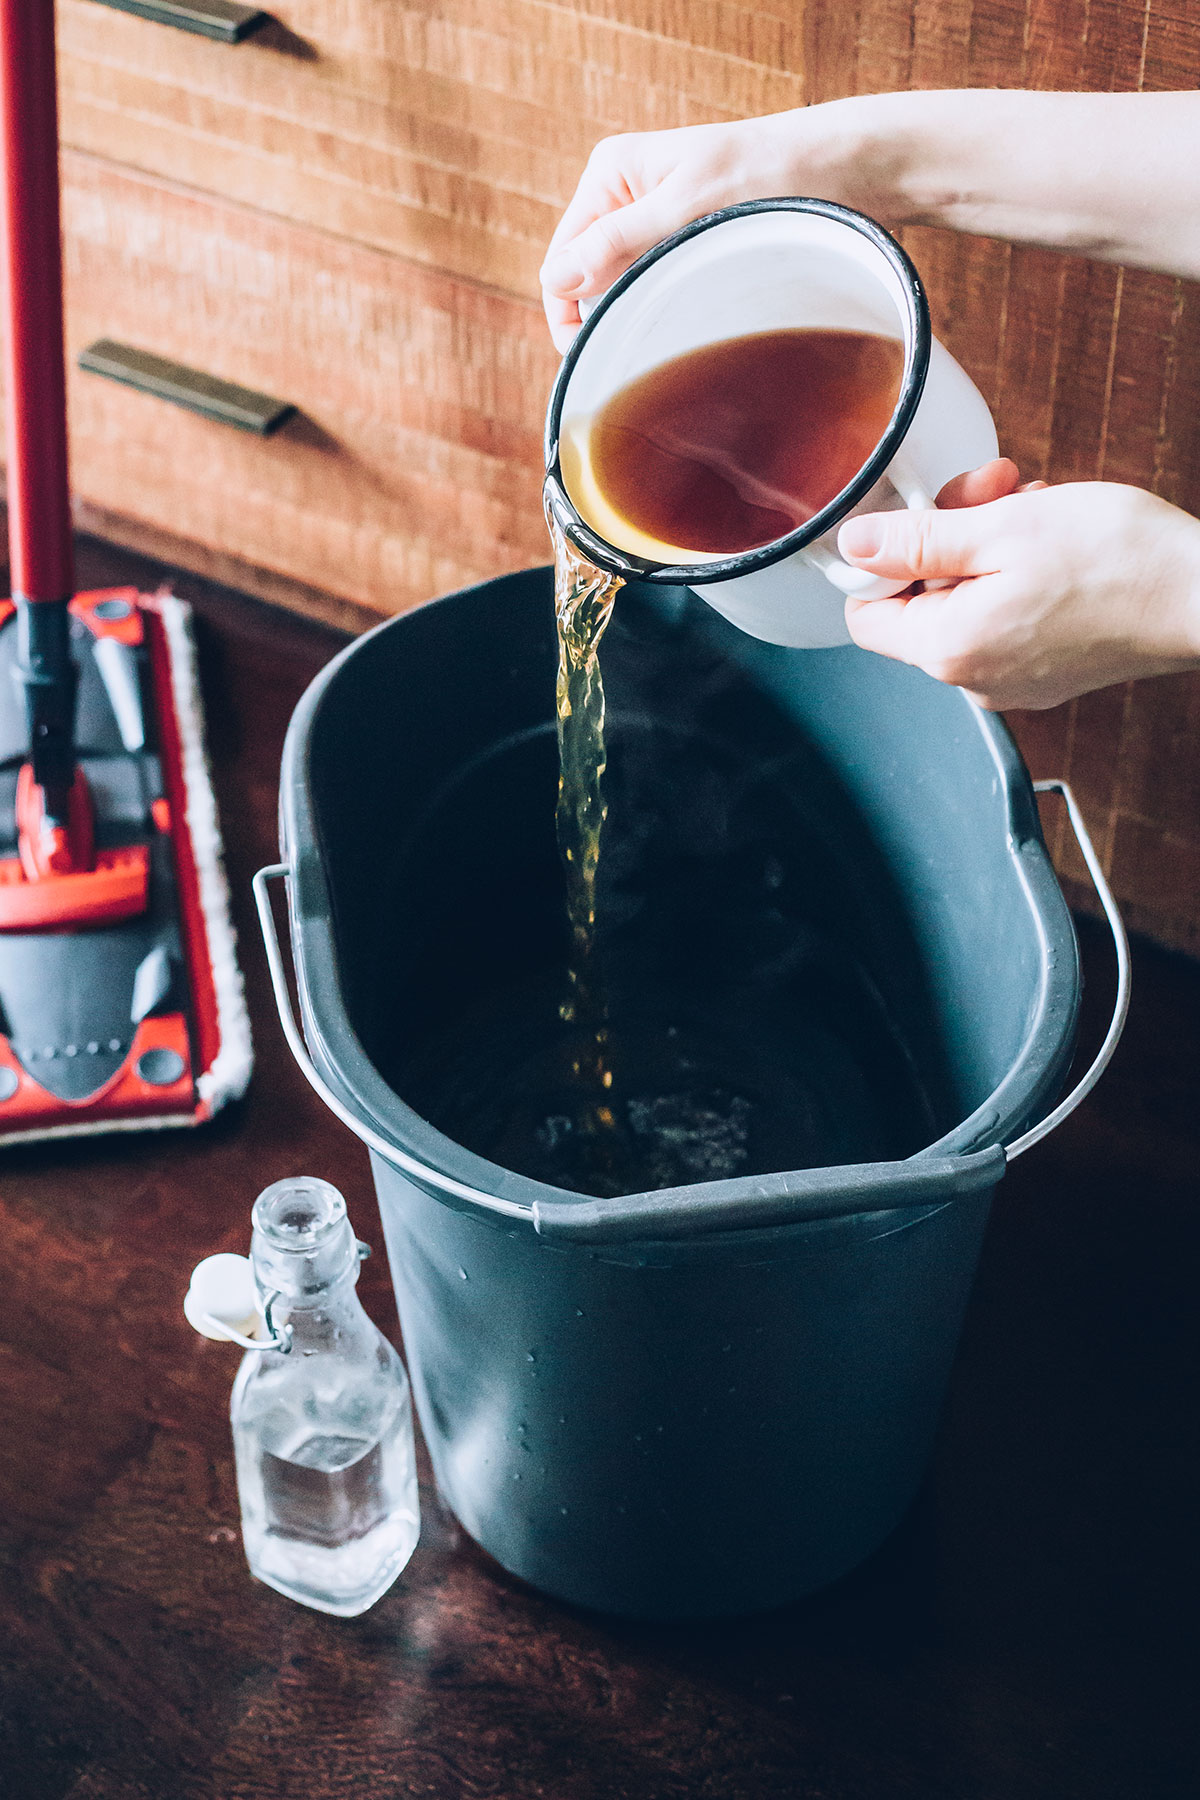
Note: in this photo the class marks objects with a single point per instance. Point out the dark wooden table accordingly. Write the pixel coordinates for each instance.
(1028, 1634)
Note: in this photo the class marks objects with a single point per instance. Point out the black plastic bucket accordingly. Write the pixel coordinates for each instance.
(716, 1398)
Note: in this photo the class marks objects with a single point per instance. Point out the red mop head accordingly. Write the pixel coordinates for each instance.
(121, 1003)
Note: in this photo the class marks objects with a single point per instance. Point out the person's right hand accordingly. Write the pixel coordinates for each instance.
(1036, 596)
(638, 188)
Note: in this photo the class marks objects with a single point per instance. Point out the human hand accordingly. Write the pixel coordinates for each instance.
(1043, 593)
(1110, 175)
(640, 187)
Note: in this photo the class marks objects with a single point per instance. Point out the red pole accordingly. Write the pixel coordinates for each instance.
(39, 517)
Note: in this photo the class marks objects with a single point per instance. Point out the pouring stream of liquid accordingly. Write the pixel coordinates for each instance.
(583, 603)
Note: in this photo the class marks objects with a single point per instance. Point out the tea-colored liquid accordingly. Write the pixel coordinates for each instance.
(583, 603)
(735, 444)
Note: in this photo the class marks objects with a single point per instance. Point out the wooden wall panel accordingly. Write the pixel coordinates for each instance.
(448, 133)
(415, 466)
(383, 175)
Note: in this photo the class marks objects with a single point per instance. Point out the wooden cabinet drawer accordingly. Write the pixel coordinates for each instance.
(348, 211)
(450, 133)
(414, 464)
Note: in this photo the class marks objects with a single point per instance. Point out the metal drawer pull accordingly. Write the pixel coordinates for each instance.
(223, 401)
(219, 19)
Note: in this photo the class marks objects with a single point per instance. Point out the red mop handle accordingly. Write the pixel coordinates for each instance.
(39, 516)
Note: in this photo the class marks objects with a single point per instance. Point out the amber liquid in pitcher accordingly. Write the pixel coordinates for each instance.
(739, 442)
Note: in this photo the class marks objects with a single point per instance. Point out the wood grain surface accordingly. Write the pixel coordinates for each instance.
(413, 466)
(1027, 1634)
(350, 209)
(448, 133)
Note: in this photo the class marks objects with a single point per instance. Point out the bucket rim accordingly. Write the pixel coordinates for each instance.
(1033, 1077)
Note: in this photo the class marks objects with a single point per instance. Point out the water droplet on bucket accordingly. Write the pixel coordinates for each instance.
(463, 1276)
(531, 1356)
(579, 1312)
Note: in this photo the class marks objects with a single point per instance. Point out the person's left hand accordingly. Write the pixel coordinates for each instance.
(1036, 595)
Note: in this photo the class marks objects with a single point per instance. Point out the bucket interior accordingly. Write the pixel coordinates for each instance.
(819, 941)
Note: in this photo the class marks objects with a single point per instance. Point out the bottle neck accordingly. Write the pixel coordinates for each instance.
(304, 1251)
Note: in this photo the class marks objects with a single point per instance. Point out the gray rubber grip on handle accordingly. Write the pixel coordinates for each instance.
(742, 1203)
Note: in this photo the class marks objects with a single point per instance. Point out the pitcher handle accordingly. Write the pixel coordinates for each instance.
(908, 487)
(1116, 925)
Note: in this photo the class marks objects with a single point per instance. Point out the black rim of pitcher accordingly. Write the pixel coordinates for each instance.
(916, 366)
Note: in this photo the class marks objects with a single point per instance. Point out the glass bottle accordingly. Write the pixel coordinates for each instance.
(322, 1432)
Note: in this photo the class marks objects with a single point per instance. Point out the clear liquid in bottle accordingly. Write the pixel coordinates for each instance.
(328, 1518)
(322, 1434)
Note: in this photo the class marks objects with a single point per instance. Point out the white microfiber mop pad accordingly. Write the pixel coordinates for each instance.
(229, 1072)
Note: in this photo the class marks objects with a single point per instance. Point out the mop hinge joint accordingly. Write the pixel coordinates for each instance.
(59, 878)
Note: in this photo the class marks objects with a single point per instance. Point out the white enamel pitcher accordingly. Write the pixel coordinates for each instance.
(767, 265)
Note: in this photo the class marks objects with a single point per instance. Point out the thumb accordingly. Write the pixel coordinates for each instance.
(923, 546)
(593, 260)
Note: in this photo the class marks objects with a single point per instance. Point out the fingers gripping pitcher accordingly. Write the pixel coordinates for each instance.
(783, 351)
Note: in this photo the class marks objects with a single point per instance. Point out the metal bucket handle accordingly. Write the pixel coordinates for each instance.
(741, 1203)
